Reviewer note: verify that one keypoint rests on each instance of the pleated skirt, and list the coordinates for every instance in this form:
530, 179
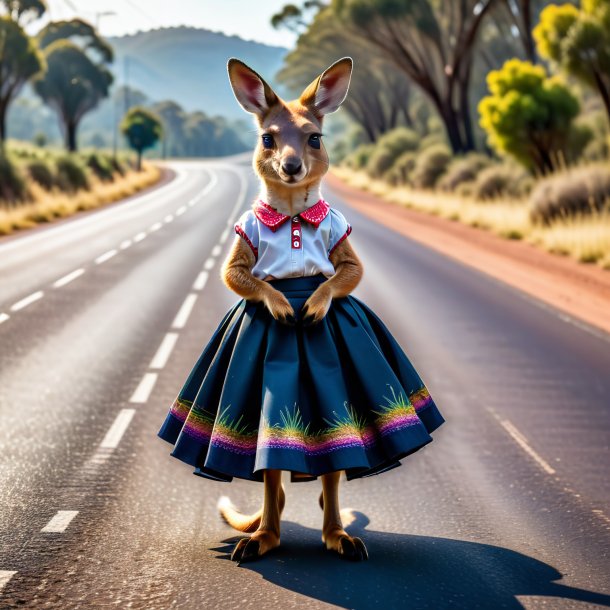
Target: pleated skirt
338, 395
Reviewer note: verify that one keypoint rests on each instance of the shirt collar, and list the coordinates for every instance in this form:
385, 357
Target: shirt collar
273, 219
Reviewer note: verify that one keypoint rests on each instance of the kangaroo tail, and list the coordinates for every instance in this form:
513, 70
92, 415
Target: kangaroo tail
236, 519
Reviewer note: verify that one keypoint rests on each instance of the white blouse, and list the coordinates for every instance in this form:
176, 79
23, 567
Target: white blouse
295, 246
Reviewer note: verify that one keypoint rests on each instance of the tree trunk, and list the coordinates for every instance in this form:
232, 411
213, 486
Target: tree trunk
2, 125
604, 92
71, 136
139, 166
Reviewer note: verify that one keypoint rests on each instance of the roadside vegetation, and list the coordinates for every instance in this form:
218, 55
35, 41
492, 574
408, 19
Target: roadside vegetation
491, 113
40, 185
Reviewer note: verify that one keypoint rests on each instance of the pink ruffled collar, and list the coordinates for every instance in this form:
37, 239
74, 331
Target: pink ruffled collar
273, 219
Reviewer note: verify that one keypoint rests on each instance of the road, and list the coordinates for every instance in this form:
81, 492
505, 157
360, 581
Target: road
102, 317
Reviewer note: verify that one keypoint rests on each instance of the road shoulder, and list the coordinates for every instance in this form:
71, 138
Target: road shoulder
580, 290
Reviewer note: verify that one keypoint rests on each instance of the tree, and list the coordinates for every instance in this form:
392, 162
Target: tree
22, 11
19, 61
529, 115
432, 43
578, 40
142, 129
77, 77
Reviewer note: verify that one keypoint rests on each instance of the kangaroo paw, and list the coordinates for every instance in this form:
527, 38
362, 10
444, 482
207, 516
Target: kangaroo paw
249, 549
348, 547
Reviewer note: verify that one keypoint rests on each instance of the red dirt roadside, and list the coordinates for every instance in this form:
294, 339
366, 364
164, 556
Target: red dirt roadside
581, 290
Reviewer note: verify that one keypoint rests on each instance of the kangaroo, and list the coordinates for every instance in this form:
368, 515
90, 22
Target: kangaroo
290, 160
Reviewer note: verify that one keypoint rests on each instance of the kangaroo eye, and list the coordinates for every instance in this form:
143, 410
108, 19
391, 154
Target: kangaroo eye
314, 140
267, 140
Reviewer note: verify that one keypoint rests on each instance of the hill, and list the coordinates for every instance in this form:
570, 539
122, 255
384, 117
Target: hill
188, 65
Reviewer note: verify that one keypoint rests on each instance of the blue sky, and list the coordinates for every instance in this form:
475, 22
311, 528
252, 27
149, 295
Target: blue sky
246, 18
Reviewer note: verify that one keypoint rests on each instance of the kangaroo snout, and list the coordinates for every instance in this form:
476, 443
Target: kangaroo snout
292, 167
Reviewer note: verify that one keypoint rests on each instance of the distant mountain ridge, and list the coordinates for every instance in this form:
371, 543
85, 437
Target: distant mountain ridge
188, 65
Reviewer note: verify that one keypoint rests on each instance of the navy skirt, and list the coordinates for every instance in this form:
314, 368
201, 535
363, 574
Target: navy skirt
338, 395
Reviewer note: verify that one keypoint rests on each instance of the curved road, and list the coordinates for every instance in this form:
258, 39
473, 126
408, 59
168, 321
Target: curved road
102, 317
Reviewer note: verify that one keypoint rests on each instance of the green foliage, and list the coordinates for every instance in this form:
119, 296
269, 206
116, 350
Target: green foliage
23, 10
101, 166
12, 185
501, 180
389, 147
528, 115
581, 190
40, 172
142, 128
400, 172
463, 169
578, 40
359, 158
430, 165
71, 174
19, 61
77, 78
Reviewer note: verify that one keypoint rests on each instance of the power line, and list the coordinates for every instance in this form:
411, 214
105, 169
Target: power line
143, 12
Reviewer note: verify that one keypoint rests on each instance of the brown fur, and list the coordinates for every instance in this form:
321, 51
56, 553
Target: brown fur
291, 124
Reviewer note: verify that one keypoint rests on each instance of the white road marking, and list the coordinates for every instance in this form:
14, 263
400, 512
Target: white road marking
600, 513
180, 210
139, 237
125, 244
209, 263
155, 227
115, 433
27, 300
4, 317
522, 442
106, 256
66, 279
224, 235
168, 218
216, 250
201, 280
194, 201
164, 351
5, 576
142, 392
60, 521
185, 311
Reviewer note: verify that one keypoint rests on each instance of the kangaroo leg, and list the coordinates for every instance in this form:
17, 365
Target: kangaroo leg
333, 534
267, 536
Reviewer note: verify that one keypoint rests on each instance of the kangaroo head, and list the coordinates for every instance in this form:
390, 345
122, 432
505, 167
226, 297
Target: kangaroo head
290, 153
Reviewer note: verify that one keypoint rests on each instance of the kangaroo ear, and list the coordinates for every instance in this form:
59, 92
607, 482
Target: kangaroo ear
251, 91
325, 94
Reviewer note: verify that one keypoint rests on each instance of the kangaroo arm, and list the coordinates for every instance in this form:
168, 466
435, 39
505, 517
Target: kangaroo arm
237, 272
348, 270
237, 275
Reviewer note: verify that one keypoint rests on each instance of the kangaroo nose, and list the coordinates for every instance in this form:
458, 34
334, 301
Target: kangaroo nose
291, 167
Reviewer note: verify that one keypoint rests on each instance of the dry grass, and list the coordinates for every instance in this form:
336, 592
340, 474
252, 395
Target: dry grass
47, 206
585, 238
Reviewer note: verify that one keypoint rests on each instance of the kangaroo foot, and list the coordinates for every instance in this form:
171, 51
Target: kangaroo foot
348, 547
249, 549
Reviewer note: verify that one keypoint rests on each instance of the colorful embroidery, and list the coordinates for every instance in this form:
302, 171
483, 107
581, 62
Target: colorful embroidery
351, 430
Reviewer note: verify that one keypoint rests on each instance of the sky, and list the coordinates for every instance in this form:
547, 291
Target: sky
246, 18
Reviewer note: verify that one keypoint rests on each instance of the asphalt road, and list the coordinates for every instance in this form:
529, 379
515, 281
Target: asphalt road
101, 319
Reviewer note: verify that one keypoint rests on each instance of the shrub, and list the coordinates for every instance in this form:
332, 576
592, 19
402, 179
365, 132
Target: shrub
101, 166
389, 147
400, 172
117, 166
71, 175
40, 172
359, 158
432, 139
578, 191
501, 180
463, 169
12, 185
430, 165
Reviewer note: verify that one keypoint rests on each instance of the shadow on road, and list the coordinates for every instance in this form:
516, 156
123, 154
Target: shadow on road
408, 572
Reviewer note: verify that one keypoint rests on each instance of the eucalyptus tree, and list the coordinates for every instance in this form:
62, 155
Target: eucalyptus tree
20, 60
143, 130
430, 41
77, 76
